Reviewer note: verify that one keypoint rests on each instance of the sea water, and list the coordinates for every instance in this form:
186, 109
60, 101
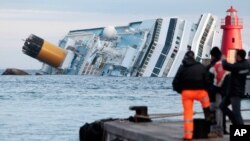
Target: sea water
53, 108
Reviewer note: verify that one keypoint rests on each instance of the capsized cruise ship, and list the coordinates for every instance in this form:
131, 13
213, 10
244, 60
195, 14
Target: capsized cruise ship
148, 48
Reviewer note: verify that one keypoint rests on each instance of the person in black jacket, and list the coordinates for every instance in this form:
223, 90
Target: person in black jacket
236, 89
191, 81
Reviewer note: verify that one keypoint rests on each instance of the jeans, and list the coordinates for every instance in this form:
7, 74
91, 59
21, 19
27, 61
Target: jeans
235, 114
219, 116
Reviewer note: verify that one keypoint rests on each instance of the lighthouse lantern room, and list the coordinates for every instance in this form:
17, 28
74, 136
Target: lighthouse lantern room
231, 39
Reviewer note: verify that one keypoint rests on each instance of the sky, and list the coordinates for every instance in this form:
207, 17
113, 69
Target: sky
53, 19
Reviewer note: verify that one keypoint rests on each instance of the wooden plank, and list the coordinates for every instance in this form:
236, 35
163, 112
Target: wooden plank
140, 131
152, 131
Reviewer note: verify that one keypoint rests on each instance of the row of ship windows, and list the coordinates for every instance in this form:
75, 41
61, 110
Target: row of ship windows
167, 46
203, 39
148, 58
175, 51
173, 55
156, 38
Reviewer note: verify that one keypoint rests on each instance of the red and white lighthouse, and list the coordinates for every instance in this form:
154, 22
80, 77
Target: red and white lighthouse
231, 39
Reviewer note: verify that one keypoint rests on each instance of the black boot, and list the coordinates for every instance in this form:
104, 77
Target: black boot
207, 112
209, 116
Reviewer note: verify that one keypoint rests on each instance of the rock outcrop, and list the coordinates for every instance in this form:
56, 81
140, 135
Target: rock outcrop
13, 71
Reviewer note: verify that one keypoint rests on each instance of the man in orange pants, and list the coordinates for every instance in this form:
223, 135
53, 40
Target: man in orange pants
191, 81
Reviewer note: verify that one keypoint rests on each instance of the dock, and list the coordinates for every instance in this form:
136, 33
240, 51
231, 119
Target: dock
123, 130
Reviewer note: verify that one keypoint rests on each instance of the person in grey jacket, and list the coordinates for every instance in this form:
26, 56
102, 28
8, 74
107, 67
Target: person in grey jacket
236, 87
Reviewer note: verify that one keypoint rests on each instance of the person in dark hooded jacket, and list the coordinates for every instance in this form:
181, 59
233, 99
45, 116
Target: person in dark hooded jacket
191, 81
191, 75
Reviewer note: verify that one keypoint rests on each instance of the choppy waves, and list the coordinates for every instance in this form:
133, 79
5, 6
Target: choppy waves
54, 107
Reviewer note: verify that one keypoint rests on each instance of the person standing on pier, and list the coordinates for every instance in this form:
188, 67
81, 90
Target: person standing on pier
236, 89
217, 90
191, 81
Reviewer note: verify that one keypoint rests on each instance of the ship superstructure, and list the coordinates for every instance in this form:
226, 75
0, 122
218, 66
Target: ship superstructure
145, 48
